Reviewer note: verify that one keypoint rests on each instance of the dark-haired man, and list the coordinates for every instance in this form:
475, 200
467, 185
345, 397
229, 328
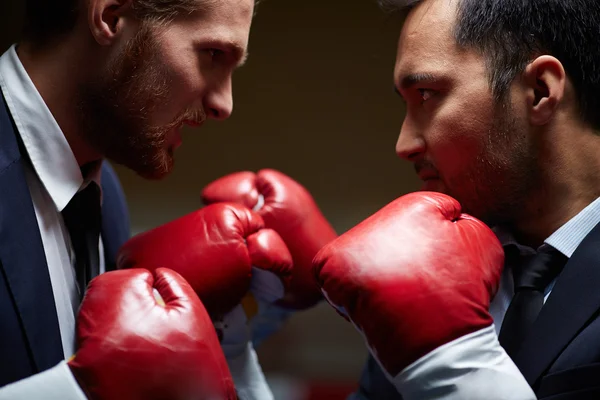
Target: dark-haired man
502, 114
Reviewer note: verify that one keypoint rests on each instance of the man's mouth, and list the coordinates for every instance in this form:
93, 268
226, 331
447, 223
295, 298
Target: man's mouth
428, 175
426, 171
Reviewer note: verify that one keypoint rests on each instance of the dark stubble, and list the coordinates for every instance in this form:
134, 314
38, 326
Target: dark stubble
116, 108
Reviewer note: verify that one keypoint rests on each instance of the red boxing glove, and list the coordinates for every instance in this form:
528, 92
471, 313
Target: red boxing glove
414, 276
214, 249
133, 347
288, 208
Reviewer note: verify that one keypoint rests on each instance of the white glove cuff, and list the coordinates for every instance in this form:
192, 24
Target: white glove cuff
474, 366
236, 332
56, 383
248, 376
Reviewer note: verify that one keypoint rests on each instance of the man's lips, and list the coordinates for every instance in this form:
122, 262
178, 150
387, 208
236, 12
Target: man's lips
431, 179
428, 174
176, 139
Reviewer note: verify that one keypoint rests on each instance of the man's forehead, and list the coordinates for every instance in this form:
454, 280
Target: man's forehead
435, 10
234, 8
228, 22
427, 35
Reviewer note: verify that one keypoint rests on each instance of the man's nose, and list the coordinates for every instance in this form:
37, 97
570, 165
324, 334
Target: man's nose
218, 103
410, 145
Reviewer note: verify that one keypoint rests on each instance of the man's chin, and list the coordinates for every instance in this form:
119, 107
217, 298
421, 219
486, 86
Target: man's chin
153, 175
156, 170
433, 185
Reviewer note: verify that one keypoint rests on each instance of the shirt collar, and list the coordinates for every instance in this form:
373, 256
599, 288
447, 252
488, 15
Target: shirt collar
565, 239
50, 154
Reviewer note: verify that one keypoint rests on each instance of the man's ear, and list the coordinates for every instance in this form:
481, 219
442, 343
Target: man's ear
106, 19
545, 81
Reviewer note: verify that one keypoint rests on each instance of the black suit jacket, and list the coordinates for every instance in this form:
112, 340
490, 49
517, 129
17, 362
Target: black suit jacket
29, 332
560, 358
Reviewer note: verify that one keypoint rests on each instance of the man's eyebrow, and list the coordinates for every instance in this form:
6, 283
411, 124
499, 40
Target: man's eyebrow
240, 54
411, 80
235, 50
243, 58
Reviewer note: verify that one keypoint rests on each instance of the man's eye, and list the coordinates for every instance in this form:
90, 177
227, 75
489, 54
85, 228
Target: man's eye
425, 94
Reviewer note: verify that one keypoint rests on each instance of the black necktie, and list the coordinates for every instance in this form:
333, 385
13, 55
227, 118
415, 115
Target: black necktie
531, 279
82, 218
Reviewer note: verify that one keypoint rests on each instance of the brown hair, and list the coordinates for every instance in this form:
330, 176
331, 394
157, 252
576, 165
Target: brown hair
47, 19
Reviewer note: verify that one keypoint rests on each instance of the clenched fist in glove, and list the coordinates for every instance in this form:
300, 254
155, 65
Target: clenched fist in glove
215, 250
224, 251
416, 279
136, 345
288, 208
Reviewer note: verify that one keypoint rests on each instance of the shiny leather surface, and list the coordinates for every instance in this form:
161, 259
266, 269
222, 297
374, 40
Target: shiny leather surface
131, 346
214, 249
288, 209
415, 275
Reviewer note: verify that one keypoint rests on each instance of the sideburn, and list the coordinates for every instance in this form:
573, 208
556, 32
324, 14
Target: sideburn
117, 107
514, 171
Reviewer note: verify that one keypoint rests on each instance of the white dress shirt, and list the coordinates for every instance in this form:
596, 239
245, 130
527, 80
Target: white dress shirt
53, 178
475, 366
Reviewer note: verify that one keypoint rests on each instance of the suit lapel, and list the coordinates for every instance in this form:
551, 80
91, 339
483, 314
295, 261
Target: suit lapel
574, 300
22, 257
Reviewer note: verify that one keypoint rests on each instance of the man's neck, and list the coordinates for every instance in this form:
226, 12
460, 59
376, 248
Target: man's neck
542, 222
55, 72
571, 182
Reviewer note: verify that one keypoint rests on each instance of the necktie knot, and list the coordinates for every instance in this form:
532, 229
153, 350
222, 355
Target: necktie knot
539, 270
